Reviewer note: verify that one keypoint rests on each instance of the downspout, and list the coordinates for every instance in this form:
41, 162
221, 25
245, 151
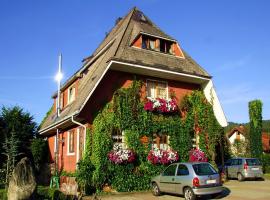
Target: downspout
84, 126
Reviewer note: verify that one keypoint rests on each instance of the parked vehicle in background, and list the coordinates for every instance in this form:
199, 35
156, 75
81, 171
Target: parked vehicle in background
188, 179
242, 168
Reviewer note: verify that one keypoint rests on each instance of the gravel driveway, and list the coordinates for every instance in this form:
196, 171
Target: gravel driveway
233, 190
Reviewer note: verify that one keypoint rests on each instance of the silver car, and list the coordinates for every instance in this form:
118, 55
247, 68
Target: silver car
188, 179
242, 168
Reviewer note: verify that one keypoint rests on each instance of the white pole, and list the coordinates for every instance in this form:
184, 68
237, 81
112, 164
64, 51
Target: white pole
58, 109
59, 84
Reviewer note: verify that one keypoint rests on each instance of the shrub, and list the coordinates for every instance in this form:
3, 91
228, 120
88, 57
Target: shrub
3, 194
84, 174
266, 163
39, 148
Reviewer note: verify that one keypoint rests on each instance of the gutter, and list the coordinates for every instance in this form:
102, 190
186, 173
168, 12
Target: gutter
84, 139
58, 123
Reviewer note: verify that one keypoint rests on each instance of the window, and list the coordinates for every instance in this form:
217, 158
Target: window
71, 94
161, 141
182, 170
203, 169
118, 138
157, 89
236, 162
170, 171
253, 162
71, 142
157, 44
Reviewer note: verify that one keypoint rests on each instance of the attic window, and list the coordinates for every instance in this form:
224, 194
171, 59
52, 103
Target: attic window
157, 44
71, 94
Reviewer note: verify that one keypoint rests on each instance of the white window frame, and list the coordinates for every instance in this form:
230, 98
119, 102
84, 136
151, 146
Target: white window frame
71, 100
68, 150
123, 143
158, 81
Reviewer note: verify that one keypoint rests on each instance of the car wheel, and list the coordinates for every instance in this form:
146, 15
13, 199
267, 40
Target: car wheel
189, 194
155, 190
240, 177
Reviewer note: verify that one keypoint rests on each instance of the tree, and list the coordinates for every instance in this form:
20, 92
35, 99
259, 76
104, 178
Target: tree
17, 129
255, 134
21, 124
10, 150
39, 148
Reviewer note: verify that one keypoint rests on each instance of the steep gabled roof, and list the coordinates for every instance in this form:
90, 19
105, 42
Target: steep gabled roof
241, 129
117, 47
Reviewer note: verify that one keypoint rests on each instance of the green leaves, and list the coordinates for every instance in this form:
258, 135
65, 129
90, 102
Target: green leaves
255, 116
126, 113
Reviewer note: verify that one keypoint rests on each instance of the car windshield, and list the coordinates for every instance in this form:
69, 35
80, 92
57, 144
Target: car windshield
253, 162
203, 169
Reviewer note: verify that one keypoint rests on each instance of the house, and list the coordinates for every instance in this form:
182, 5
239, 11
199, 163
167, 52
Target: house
266, 142
134, 46
239, 133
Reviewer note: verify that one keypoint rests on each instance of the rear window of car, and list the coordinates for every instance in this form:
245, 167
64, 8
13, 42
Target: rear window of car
253, 162
203, 169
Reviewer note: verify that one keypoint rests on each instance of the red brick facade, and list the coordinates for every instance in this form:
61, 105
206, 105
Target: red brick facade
103, 94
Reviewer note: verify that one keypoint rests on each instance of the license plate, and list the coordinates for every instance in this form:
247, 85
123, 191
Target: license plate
210, 181
255, 169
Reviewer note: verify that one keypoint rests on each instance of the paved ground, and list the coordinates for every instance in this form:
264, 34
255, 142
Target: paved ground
233, 190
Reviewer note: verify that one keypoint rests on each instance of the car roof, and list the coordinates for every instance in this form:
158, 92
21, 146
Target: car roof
191, 163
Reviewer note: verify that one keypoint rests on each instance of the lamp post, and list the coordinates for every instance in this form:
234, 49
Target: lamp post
58, 78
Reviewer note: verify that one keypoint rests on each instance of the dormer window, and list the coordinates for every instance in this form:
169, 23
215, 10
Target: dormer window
71, 94
157, 44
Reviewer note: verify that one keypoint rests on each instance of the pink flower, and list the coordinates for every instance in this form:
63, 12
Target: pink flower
161, 105
164, 157
196, 155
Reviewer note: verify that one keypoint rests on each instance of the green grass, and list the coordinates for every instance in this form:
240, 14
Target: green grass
3, 194
267, 176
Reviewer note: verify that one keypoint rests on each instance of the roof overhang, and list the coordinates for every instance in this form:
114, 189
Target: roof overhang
157, 72
136, 69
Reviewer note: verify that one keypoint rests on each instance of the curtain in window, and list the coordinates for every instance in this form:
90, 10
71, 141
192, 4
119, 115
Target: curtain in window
151, 89
161, 90
152, 44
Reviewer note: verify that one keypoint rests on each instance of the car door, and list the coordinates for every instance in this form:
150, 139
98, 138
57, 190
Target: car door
182, 178
234, 168
167, 179
228, 168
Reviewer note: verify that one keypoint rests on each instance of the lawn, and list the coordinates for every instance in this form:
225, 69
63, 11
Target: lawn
267, 176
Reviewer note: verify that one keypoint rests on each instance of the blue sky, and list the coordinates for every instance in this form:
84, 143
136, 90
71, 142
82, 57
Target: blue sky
230, 39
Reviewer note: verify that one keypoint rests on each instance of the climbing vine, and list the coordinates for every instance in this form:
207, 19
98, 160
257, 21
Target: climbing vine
126, 114
255, 115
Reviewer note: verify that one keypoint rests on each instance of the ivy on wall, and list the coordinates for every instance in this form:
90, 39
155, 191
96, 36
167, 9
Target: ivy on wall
126, 113
255, 134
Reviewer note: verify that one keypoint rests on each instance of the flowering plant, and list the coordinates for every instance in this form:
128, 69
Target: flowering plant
119, 155
161, 105
159, 156
197, 155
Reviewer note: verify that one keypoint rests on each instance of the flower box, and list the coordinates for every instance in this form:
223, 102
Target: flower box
119, 155
196, 155
159, 156
161, 105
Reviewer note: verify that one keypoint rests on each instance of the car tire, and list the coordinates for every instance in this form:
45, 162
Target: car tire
155, 190
189, 194
240, 177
